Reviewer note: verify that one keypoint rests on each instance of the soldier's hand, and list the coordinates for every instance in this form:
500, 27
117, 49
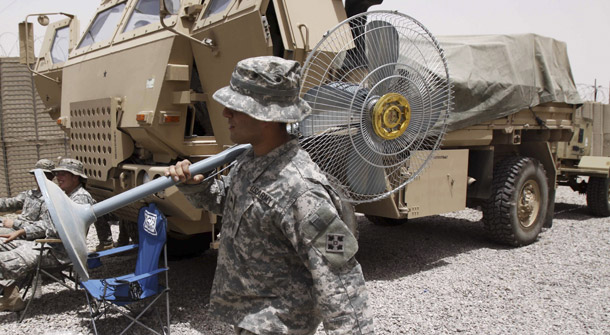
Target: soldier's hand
181, 173
12, 236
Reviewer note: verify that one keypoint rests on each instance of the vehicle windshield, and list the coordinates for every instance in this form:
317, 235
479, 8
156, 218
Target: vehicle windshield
61, 44
217, 6
147, 12
103, 26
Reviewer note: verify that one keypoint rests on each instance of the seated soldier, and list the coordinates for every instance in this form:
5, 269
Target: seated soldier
102, 225
29, 202
17, 256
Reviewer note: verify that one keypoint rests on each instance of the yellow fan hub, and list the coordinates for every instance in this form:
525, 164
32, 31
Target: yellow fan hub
391, 116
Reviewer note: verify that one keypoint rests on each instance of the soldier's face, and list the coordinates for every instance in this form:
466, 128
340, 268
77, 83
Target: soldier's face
67, 181
243, 128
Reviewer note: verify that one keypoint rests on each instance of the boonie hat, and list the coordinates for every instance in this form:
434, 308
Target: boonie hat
267, 89
45, 165
74, 166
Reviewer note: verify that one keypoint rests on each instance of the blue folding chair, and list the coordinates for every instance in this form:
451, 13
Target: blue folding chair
119, 292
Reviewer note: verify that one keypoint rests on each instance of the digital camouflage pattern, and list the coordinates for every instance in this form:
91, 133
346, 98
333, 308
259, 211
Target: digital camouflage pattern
267, 89
29, 202
17, 258
13, 204
286, 258
102, 226
73, 166
45, 165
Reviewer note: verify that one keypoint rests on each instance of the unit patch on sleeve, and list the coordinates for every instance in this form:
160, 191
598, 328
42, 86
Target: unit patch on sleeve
334, 243
333, 239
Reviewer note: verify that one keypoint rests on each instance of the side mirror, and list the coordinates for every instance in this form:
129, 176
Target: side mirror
171, 7
26, 40
163, 8
43, 20
26, 43
168, 7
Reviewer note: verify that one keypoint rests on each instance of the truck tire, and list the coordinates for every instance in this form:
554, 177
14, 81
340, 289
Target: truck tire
517, 209
383, 221
598, 196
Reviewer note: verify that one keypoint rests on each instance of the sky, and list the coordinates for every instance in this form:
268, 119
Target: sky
584, 25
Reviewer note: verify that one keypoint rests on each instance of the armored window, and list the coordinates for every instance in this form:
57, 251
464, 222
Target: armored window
147, 12
61, 44
217, 6
103, 26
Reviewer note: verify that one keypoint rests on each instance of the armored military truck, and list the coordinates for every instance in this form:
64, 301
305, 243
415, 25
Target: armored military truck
584, 160
517, 131
134, 94
134, 91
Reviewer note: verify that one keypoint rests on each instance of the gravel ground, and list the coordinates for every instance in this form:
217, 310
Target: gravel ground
434, 275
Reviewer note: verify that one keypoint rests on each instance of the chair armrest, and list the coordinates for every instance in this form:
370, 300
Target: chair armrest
115, 281
94, 258
47, 240
113, 251
43, 241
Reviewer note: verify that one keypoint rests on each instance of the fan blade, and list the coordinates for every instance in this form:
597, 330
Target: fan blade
381, 49
363, 177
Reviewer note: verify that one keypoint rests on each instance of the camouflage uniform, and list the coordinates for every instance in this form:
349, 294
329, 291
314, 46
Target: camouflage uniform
29, 202
286, 258
17, 258
102, 225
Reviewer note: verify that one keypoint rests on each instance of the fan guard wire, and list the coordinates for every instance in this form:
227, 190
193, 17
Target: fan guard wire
378, 84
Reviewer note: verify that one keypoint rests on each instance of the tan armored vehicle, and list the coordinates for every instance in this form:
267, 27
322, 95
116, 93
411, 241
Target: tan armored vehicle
134, 92
587, 154
134, 95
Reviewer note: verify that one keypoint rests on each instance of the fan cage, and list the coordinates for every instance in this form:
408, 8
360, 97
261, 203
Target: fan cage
369, 56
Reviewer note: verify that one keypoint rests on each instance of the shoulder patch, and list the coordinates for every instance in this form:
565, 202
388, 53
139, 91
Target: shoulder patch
334, 239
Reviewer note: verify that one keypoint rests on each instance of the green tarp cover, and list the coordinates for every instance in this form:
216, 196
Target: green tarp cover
497, 75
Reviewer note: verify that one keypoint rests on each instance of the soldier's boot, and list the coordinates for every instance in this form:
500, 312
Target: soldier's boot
104, 235
11, 301
103, 246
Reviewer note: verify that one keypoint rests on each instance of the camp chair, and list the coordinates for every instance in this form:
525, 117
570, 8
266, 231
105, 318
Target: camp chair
119, 293
60, 274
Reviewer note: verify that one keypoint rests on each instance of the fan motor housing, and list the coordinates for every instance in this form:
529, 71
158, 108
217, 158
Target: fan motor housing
391, 116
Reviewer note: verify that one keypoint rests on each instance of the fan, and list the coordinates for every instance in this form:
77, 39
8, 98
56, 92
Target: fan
379, 88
